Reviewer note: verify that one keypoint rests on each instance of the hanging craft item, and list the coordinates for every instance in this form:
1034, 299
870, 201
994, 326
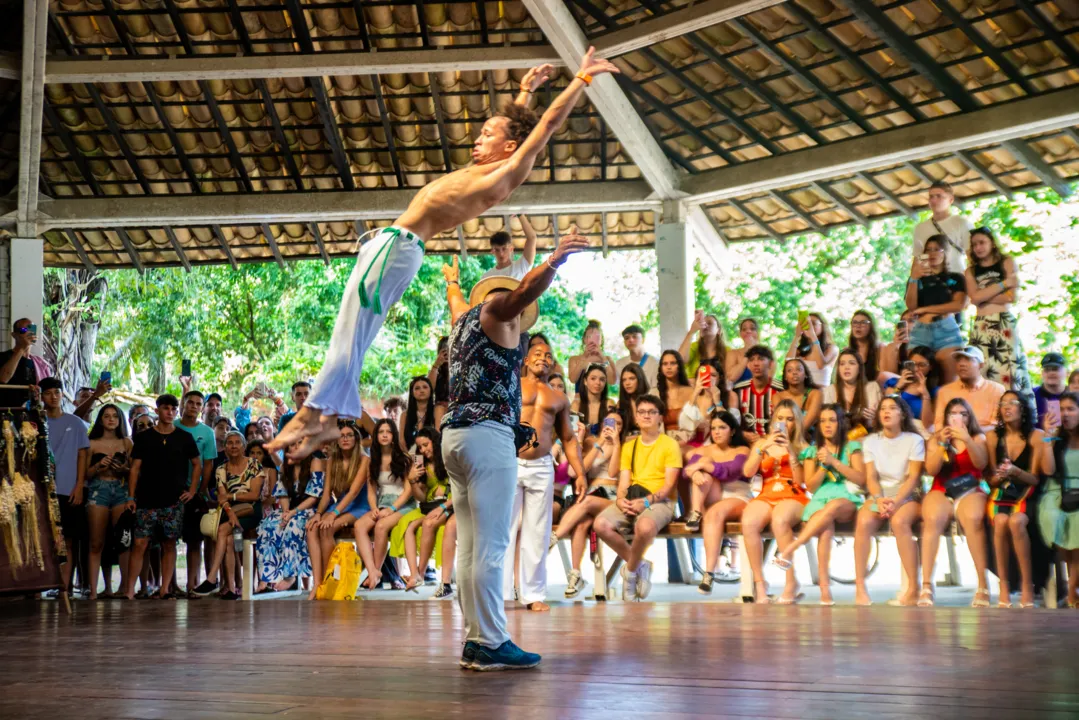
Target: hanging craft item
9, 522
24, 495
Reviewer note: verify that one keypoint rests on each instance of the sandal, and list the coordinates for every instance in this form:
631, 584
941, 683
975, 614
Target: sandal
414, 585
781, 562
1004, 605
981, 599
784, 600
925, 597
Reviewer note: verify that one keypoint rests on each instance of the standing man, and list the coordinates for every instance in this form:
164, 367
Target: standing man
756, 395
69, 445
164, 477
633, 339
982, 395
211, 409
300, 390
502, 250
1047, 395
943, 221
479, 447
206, 442
504, 155
17, 366
547, 410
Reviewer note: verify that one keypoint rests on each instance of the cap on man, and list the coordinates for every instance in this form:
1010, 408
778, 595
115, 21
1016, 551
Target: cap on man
982, 395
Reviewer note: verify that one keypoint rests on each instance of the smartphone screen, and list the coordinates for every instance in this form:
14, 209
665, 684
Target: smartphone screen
32, 329
185, 368
803, 316
609, 423
106, 376
908, 365
1052, 413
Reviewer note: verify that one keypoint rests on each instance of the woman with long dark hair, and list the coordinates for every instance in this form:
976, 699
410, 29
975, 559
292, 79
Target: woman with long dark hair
992, 283
439, 377
711, 393
397, 491
592, 403
1058, 508
1014, 471
852, 392
863, 338
591, 354
835, 474
957, 457
106, 469
673, 388
710, 348
420, 411
799, 388
632, 384
346, 496
933, 301
917, 383
813, 343
427, 519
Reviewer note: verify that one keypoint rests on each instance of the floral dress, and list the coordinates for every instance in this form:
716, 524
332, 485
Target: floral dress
282, 551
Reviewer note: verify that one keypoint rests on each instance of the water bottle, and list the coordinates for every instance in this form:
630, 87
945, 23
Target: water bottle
238, 539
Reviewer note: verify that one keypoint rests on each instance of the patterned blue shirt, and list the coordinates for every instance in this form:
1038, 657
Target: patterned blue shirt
485, 378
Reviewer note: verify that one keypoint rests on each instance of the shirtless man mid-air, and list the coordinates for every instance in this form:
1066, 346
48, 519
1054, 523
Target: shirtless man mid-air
503, 156
546, 410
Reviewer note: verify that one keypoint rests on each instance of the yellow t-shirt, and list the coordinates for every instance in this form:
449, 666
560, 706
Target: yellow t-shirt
649, 469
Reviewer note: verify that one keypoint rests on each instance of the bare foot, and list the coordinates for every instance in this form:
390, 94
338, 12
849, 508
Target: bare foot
539, 607
1027, 596
314, 592
306, 422
826, 595
861, 597
328, 433
283, 585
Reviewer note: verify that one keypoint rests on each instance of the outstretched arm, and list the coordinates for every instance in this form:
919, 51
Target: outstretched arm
531, 82
454, 296
529, 251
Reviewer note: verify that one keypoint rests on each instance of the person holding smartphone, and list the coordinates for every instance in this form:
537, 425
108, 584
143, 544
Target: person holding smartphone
933, 299
592, 355
813, 343
956, 457
417, 532
710, 394
710, 348
917, 383
107, 464
17, 366
1047, 395
1058, 508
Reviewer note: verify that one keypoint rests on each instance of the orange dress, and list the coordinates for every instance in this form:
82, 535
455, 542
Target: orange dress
778, 481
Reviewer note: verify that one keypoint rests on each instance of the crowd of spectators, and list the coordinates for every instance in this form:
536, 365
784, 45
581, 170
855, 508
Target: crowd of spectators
937, 425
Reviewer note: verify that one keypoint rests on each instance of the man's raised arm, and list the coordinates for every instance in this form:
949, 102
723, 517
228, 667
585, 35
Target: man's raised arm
506, 306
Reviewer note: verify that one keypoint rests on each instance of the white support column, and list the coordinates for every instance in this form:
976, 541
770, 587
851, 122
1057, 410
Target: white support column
35, 22
675, 277
27, 273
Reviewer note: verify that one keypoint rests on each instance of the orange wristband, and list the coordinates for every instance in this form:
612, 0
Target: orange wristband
585, 78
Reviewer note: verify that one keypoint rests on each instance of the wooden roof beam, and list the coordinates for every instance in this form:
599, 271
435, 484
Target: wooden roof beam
317, 235
179, 248
73, 238
987, 126
568, 39
1026, 154
257, 208
271, 240
216, 229
125, 239
695, 17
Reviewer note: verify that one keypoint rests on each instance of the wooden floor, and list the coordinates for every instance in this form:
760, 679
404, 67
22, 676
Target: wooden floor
214, 659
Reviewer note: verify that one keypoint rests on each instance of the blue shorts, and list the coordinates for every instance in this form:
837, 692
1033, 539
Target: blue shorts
107, 493
937, 335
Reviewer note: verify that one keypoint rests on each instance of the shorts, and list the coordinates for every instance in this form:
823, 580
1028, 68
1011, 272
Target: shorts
107, 493
387, 500
660, 513
738, 489
72, 518
193, 514
607, 492
160, 523
937, 335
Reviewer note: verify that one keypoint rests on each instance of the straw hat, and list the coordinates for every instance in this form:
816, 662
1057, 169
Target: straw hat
486, 286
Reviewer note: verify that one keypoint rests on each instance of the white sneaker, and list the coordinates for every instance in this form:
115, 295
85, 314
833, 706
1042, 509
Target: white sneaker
629, 585
575, 584
554, 542
644, 579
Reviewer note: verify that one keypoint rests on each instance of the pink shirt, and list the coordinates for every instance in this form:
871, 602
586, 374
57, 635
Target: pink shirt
983, 398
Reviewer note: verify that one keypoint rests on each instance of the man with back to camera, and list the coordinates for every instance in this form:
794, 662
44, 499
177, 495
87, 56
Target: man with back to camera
633, 339
502, 250
69, 445
546, 410
503, 158
479, 446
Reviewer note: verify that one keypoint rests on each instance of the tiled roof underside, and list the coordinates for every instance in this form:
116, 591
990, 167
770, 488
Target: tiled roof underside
809, 208
295, 240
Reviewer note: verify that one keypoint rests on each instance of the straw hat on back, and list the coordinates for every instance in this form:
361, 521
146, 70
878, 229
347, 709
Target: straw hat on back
486, 286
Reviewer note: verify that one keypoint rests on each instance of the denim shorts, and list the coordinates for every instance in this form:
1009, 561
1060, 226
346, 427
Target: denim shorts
937, 335
107, 493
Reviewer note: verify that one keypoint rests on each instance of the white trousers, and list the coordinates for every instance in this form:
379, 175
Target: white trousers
532, 516
386, 265
482, 465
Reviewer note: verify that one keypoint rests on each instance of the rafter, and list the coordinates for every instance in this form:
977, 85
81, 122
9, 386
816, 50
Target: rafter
72, 149
125, 240
271, 240
279, 134
226, 136
317, 235
825, 189
179, 248
387, 129
220, 236
436, 99
971, 161
1026, 154
462, 242
753, 218
118, 138
32, 100
73, 238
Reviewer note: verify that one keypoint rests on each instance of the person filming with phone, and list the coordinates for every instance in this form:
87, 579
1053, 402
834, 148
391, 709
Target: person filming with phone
1047, 395
17, 365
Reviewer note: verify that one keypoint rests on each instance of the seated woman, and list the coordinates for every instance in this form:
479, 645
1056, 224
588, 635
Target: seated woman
1015, 460
813, 343
673, 388
1058, 509
932, 301
396, 490
591, 403
239, 496
433, 512
592, 354
107, 466
710, 348
799, 388
719, 489
863, 338
281, 549
917, 383
255, 449
894, 457
632, 383
782, 498
601, 460
835, 474
345, 496
736, 367
419, 412
856, 396
956, 457
710, 393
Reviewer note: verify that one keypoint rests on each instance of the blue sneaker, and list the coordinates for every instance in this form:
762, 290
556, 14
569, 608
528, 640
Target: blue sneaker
506, 656
468, 656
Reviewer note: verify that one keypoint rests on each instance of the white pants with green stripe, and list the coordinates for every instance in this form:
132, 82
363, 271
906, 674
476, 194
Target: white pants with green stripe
385, 267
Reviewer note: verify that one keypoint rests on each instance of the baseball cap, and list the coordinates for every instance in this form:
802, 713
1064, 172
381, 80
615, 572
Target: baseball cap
970, 352
1053, 359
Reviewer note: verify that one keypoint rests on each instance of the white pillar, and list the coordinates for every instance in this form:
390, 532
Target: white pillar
27, 273
675, 279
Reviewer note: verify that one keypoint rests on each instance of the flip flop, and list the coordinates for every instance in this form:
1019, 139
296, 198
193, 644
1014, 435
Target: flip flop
790, 601
827, 603
925, 597
781, 562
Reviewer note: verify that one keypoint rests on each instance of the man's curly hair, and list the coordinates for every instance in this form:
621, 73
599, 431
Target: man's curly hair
521, 122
